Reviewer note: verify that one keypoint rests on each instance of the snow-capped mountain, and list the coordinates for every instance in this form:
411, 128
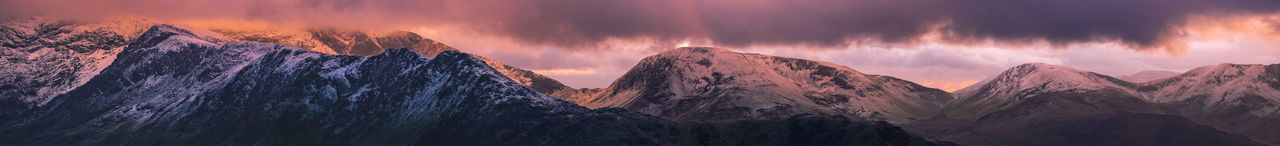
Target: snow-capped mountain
1229, 84
1027, 80
180, 87
1146, 76
353, 42
48, 56
700, 83
1042, 104
1238, 98
44, 57
339, 41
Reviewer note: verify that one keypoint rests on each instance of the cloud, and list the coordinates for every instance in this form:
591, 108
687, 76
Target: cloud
1139, 24
946, 42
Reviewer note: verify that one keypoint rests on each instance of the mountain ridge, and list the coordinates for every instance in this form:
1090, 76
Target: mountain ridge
1099, 96
706, 83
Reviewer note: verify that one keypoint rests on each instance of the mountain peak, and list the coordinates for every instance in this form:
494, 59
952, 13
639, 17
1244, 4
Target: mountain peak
706, 83
1044, 67
162, 32
684, 51
158, 33
1227, 69
1051, 77
1033, 74
1028, 80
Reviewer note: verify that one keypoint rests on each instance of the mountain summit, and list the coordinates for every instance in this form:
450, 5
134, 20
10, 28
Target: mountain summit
703, 83
1027, 80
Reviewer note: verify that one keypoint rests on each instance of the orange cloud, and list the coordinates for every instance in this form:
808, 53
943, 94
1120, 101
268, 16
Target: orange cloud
566, 71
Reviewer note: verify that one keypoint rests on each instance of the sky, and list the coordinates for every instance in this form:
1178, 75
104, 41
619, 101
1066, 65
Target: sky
946, 44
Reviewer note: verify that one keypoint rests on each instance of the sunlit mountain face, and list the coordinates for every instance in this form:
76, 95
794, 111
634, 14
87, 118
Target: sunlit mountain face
640, 72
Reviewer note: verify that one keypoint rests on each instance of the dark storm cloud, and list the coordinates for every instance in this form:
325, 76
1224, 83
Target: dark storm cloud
1141, 23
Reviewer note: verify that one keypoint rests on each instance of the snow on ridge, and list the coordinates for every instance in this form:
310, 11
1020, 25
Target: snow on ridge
1209, 86
173, 43
1227, 69
1217, 83
1056, 78
1039, 78
722, 78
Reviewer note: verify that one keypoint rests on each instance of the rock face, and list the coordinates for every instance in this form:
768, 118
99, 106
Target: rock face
1041, 104
1147, 76
352, 42
718, 84
43, 57
177, 87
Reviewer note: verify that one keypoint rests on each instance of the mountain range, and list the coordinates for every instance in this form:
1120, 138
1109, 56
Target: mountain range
1057, 105
139, 82
1029, 104
173, 86
48, 56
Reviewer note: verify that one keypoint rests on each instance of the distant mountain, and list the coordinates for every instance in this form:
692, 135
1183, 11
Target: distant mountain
1238, 98
702, 83
1146, 76
1020, 82
1042, 104
179, 87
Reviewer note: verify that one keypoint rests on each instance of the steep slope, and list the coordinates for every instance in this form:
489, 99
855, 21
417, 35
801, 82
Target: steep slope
540, 83
44, 57
1147, 76
1023, 81
353, 42
1238, 98
718, 84
176, 87
1041, 104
